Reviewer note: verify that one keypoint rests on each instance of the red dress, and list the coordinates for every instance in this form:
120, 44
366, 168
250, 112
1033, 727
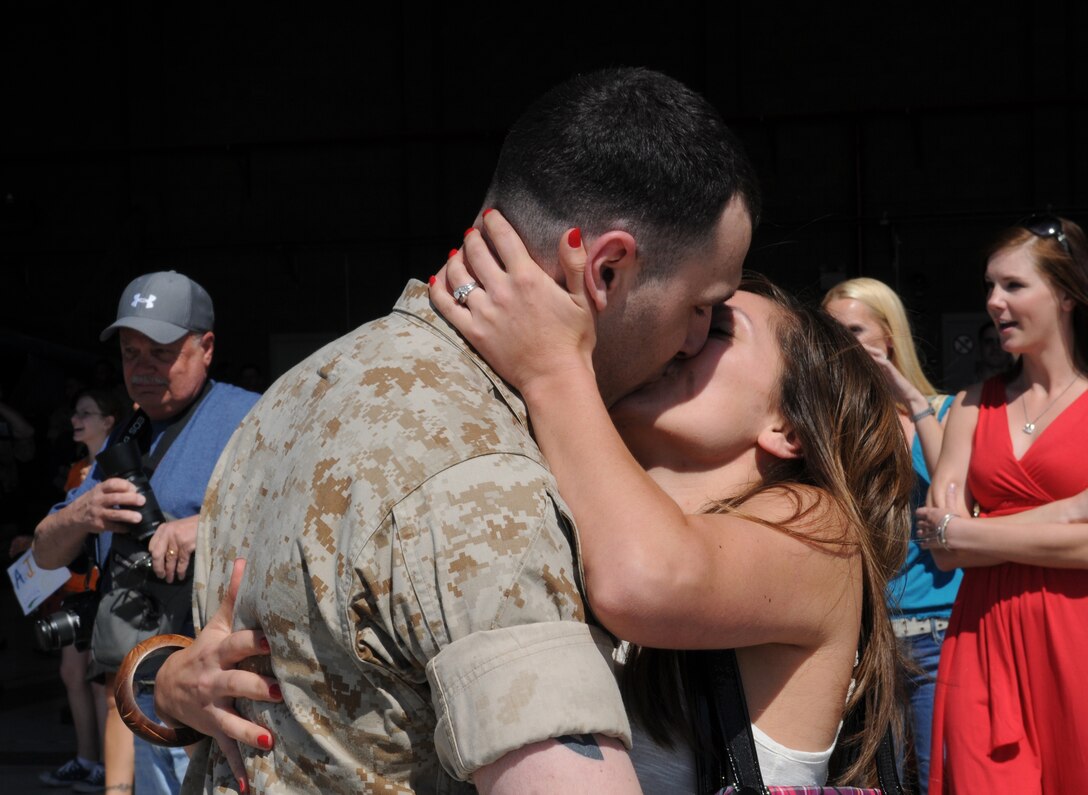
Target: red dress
1011, 706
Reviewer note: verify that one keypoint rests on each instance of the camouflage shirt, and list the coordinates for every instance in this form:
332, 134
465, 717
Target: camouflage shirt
410, 559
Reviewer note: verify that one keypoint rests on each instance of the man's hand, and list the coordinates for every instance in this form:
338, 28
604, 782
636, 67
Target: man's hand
197, 686
111, 506
172, 548
108, 507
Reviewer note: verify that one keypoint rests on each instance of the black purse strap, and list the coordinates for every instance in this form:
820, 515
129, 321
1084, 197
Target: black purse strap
886, 772
734, 760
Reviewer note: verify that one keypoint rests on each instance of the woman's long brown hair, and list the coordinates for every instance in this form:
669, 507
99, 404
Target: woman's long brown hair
854, 458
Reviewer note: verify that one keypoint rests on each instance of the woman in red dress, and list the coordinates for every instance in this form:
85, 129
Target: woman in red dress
1011, 710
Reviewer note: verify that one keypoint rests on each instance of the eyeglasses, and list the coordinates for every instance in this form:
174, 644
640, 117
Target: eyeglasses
85, 414
1047, 226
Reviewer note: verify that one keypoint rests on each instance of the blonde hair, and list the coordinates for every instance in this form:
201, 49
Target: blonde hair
889, 312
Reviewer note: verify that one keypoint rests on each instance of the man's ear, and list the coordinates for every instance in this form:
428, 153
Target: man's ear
611, 266
207, 346
780, 440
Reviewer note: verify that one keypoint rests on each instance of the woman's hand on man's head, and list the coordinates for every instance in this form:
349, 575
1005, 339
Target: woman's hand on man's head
525, 324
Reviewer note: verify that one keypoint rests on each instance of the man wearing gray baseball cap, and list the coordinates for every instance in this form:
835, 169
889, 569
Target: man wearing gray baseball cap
182, 421
163, 306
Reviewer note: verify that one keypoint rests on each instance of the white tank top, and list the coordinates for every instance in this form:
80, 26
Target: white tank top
672, 770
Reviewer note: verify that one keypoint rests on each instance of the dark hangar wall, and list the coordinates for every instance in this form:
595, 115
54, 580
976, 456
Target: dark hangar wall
303, 162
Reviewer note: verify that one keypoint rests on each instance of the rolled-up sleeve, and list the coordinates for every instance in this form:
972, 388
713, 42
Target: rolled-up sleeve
499, 690
497, 615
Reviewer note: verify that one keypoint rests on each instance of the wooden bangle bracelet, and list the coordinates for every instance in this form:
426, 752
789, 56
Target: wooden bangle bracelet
131, 714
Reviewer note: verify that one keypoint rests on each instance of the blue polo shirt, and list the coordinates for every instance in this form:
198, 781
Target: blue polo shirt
182, 475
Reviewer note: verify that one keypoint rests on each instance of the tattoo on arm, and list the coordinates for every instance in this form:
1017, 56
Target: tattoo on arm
583, 744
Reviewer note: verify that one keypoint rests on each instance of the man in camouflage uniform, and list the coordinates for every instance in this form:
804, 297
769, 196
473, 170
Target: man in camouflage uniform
408, 555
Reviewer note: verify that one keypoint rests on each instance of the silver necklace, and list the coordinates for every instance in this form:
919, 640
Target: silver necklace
1029, 425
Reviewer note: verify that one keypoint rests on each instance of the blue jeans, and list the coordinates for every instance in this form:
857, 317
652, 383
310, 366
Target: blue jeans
925, 650
159, 771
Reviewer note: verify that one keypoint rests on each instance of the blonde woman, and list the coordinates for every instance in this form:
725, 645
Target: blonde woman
920, 598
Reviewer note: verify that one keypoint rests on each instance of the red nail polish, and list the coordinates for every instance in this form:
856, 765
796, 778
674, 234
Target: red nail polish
274, 691
489, 209
574, 239
242, 786
452, 254
432, 280
264, 644
265, 742
469, 231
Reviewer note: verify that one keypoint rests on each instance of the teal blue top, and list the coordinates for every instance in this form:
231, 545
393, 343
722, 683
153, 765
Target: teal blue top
921, 590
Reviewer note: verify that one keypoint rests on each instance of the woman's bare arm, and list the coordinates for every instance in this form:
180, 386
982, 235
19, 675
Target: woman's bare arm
930, 428
948, 491
1055, 534
1009, 538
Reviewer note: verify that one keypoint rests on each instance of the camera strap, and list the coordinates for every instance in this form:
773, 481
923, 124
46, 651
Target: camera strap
139, 429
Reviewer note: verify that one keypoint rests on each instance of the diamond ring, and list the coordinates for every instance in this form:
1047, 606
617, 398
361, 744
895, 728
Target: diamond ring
460, 294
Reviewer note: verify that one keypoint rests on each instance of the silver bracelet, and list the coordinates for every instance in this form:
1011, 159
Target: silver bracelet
941, 528
921, 415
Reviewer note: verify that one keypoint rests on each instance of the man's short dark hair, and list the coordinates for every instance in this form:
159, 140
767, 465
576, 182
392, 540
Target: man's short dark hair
625, 149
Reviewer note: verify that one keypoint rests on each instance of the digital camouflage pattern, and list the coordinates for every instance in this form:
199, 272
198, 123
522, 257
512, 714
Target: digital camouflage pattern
409, 558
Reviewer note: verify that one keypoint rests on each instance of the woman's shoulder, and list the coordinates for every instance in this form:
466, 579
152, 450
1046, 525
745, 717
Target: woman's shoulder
971, 396
797, 509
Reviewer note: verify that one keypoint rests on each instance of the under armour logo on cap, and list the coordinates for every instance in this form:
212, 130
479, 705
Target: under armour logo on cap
148, 302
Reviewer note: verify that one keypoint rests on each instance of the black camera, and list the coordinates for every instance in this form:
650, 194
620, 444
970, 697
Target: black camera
123, 460
73, 623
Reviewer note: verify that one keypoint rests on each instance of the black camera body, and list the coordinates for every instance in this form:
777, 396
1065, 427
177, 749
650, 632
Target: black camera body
124, 460
73, 623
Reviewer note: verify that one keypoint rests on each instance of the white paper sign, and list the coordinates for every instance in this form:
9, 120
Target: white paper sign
32, 584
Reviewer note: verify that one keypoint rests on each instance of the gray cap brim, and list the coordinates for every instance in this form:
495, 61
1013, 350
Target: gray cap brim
158, 330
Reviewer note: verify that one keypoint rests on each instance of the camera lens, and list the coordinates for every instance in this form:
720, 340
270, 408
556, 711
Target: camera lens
45, 634
73, 623
57, 630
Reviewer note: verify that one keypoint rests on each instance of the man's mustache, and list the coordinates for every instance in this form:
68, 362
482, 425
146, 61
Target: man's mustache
149, 380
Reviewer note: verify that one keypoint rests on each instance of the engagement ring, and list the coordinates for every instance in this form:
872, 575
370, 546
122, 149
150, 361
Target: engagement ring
460, 294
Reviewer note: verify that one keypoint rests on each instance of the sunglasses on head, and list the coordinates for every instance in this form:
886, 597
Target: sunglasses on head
1047, 226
